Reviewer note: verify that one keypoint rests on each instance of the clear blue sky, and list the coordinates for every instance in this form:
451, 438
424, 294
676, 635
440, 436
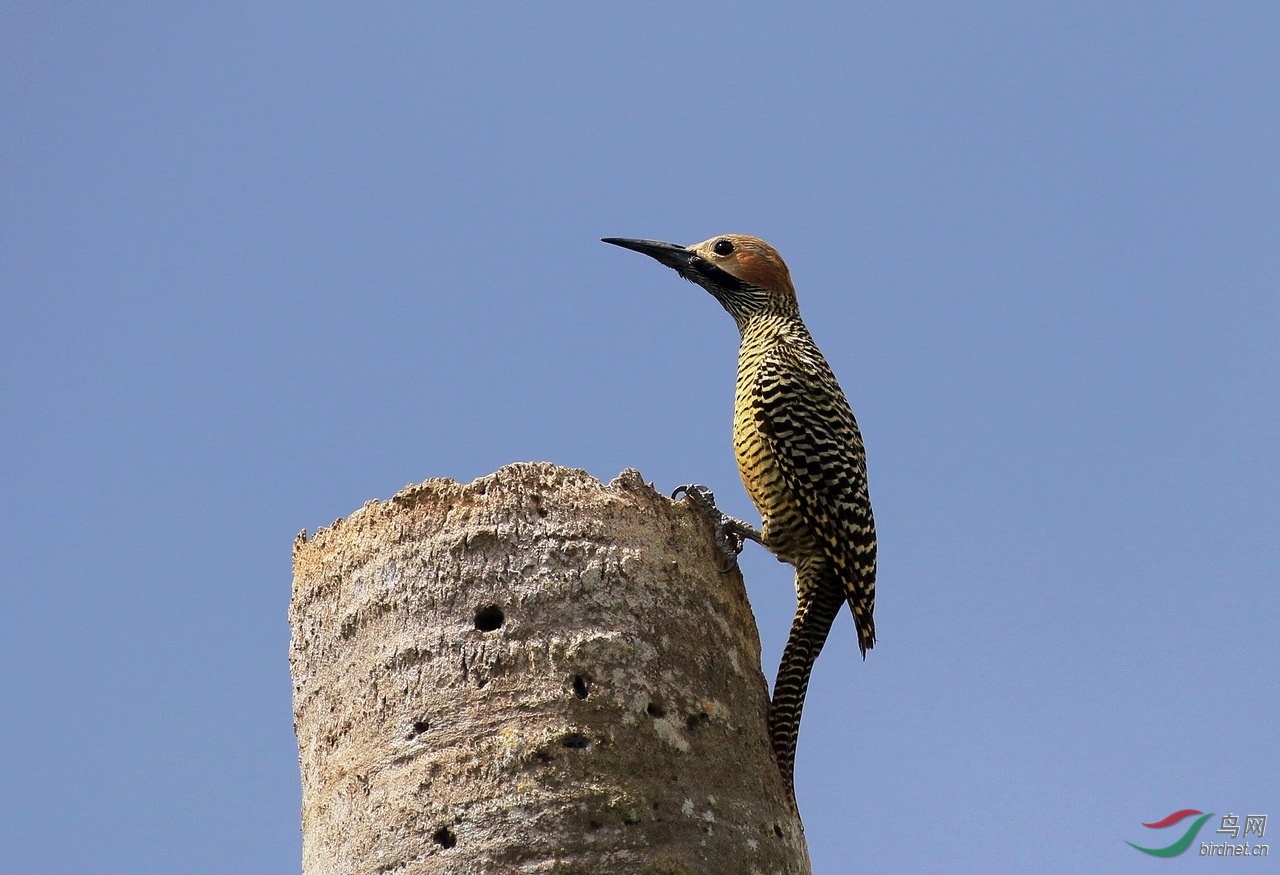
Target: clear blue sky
260, 263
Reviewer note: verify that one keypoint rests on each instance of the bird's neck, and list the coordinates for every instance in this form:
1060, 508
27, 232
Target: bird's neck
767, 329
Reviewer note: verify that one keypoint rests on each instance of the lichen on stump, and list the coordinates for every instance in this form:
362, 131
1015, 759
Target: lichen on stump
531, 672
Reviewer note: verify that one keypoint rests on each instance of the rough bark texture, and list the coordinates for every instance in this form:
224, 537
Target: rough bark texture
531, 673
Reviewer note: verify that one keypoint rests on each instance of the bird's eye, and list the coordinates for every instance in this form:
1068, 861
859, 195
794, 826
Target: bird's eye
723, 247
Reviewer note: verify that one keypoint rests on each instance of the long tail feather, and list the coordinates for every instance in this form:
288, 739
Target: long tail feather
816, 610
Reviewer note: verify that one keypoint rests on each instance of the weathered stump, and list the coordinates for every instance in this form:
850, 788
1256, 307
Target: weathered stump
531, 673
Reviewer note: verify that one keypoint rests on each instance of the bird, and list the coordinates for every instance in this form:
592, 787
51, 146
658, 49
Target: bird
801, 457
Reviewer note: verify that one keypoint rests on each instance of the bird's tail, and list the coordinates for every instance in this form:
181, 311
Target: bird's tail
816, 610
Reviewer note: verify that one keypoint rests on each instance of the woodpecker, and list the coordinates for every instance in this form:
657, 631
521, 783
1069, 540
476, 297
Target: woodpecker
799, 453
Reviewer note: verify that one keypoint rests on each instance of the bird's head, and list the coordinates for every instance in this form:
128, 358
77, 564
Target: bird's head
746, 275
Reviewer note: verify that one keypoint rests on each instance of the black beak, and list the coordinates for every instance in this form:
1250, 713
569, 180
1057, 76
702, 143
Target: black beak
673, 256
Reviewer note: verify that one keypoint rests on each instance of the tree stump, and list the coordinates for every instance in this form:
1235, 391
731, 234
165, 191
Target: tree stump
532, 673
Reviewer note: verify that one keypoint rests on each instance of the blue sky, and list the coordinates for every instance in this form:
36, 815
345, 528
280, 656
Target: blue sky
262, 263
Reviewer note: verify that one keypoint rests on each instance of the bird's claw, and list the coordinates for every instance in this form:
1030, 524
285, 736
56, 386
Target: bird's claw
731, 534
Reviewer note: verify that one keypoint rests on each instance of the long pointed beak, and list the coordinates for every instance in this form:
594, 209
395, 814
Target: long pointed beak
672, 255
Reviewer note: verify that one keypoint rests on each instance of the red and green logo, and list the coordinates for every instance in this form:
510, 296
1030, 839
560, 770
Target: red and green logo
1181, 844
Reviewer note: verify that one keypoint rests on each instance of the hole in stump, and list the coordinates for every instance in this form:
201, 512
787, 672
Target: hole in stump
579, 686
419, 727
577, 741
777, 830
656, 711
445, 838
489, 618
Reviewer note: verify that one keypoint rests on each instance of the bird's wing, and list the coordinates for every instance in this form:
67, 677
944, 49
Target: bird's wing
814, 439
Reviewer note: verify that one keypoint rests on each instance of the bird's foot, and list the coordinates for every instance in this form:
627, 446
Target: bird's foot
731, 534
